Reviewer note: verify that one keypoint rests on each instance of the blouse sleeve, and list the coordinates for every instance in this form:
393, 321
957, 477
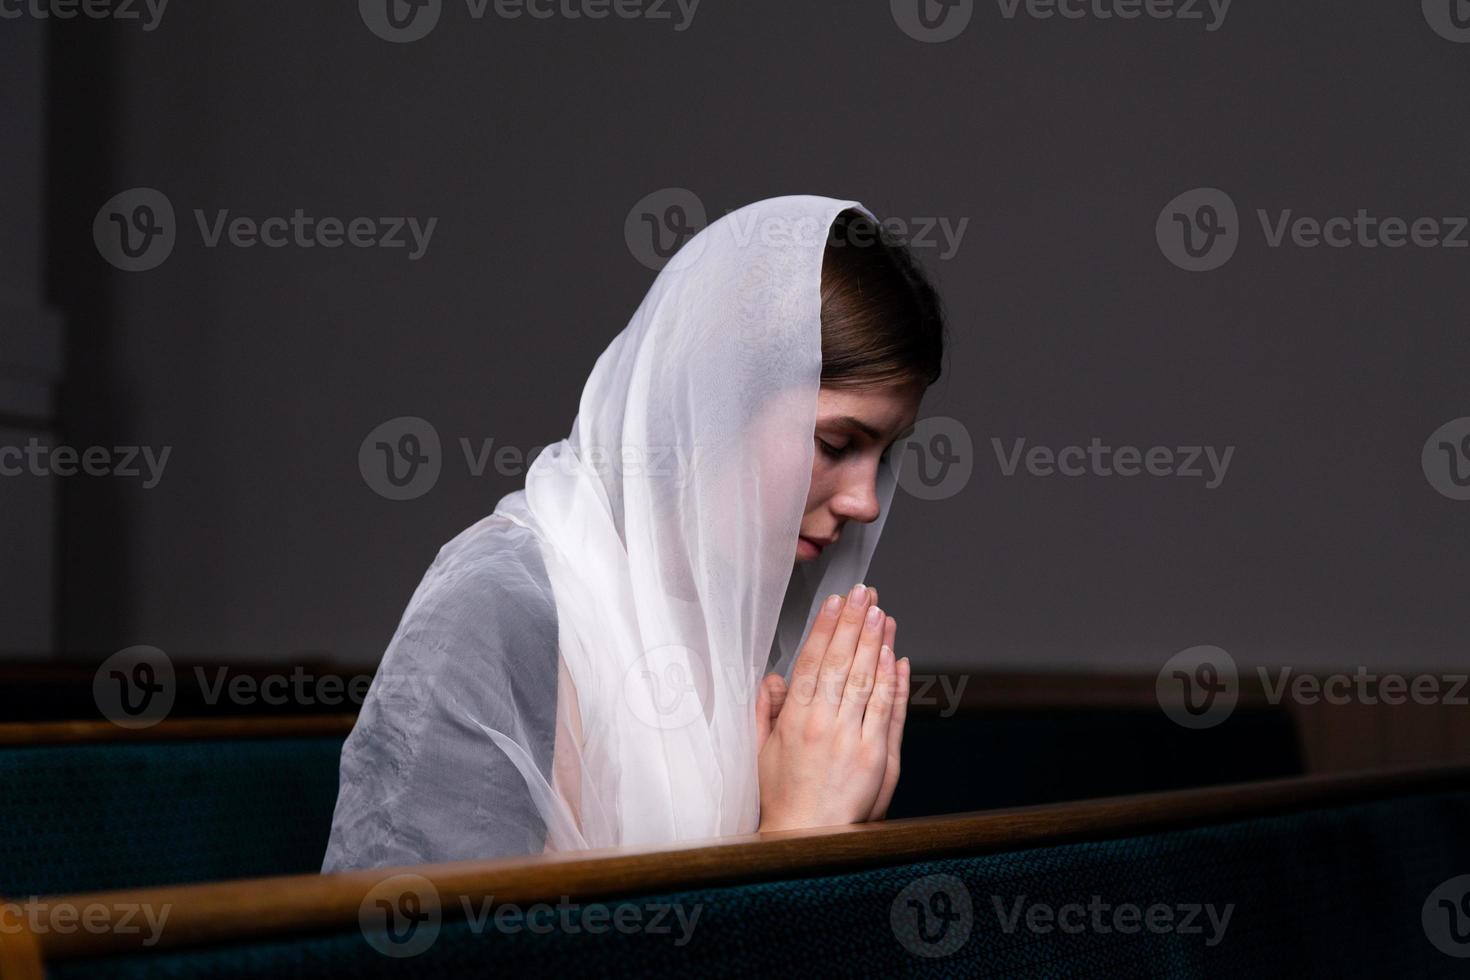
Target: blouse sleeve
476, 649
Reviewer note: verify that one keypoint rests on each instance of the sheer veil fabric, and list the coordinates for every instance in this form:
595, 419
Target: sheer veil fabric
579, 668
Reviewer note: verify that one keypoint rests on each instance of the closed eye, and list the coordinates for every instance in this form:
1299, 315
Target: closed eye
837, 452
834, 452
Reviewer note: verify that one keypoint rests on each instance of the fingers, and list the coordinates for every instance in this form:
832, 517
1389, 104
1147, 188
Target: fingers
900, 708
770, 695
762, 714
894, 734
895, 726
776, 693
837, 662
862, 675
880, 705
809, 661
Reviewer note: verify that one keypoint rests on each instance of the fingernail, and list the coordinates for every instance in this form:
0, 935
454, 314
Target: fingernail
871, 620
859, 593
833, 601
885, 656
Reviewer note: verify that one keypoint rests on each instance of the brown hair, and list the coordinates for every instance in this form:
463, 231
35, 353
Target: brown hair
882, 322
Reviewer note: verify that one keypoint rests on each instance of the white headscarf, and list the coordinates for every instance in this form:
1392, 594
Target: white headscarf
624, 605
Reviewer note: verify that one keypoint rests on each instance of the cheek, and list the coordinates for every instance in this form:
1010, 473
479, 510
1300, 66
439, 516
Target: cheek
824, 482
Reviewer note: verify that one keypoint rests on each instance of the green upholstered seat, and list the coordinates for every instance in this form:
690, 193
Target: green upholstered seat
109, 815
1330, 892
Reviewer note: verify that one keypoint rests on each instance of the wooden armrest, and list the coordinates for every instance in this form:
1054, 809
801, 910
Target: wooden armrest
235, 911
175, 729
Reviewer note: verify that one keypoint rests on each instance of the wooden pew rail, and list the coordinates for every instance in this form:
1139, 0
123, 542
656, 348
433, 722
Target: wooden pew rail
254, 909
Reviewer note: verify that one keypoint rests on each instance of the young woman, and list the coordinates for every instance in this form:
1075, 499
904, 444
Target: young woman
582, 668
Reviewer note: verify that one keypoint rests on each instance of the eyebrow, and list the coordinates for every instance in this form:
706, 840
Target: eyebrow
854, 423
863, 427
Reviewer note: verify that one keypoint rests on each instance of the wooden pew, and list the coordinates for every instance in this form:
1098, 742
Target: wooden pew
1031, 737
86, 804
1324, 875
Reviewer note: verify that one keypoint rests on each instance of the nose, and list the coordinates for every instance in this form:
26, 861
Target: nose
857, 499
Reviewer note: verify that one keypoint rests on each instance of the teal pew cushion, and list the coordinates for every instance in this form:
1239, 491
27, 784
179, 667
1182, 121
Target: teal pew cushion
103, 816
1329, 892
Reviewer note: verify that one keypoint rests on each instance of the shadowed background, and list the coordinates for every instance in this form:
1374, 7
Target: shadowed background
1057, 142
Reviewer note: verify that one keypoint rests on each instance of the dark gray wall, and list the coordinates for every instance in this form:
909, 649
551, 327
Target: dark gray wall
1060, 142
30, 350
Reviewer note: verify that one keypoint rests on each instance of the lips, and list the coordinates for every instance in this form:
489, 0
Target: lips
818, 543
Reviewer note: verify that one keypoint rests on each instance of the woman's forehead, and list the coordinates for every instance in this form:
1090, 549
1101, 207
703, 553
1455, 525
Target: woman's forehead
879, 413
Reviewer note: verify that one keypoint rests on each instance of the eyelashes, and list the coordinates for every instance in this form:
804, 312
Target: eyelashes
838, 452
831, 451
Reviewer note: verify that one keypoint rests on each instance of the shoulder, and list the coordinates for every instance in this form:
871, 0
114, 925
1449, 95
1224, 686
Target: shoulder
493, 568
